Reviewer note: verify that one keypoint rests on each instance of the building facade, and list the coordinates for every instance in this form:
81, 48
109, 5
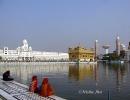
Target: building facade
81, 54
127, 53
25, 53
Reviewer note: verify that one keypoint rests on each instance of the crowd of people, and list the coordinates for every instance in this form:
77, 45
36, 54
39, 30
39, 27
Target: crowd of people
45, 89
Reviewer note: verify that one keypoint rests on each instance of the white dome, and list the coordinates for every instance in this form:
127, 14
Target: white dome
123, 45
25, 41
18, 48
30, 48
118, 37
96, 40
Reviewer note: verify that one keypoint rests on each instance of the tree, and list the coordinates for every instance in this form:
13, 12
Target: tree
111, 56
122, 54
0, 58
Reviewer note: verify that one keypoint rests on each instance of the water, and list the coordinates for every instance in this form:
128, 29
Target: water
77, 82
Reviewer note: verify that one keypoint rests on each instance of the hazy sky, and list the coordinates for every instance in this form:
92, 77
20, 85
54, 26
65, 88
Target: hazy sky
55, 25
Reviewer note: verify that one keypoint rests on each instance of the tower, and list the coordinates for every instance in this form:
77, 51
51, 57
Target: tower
96, 48
118, 45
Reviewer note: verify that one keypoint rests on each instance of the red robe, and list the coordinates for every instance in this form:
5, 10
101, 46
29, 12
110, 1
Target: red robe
46, 89
33, 86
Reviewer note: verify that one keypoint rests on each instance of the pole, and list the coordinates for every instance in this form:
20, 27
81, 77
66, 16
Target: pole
108, 95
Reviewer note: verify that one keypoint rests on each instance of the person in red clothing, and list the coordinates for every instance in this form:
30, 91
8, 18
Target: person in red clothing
33, 86
46, 88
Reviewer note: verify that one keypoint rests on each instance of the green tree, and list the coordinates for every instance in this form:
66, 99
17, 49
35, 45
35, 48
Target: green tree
111, 56
122, 54
0, 58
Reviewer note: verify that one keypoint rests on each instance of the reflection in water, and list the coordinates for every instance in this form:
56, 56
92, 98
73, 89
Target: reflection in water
120, 71
82, 71
115, 77
24, 71
120, 75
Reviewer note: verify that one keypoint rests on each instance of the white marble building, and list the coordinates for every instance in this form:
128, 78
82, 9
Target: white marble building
25, 53
127, 53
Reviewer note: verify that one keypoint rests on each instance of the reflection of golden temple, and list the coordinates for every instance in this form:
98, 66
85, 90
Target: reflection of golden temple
82, 71
81, 54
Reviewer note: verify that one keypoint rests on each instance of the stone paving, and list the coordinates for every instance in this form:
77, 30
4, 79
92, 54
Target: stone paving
20, 92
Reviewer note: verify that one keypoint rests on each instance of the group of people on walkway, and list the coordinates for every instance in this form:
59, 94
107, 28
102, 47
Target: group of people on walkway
45, 89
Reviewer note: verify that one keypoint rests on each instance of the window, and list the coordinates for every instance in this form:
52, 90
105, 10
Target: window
73, 56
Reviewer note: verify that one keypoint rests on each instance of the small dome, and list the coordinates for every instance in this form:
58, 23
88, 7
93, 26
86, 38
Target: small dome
96, 40
18, 48
30, 48
25, 41
123, 45
118, 37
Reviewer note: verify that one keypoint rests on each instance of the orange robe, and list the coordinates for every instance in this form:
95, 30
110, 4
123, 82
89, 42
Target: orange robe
46, 89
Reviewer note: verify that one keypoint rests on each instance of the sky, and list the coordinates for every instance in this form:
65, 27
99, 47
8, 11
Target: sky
56, 25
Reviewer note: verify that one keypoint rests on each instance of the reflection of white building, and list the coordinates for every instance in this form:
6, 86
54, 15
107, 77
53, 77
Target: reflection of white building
25, 53
24, 71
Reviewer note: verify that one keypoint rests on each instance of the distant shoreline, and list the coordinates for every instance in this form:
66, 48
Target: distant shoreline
49, 62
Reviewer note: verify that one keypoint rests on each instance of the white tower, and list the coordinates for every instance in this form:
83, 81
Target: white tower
96, 48
106, 47
118, 45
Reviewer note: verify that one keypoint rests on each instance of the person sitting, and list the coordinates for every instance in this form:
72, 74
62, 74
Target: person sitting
33, 86
46, 89
6, 76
